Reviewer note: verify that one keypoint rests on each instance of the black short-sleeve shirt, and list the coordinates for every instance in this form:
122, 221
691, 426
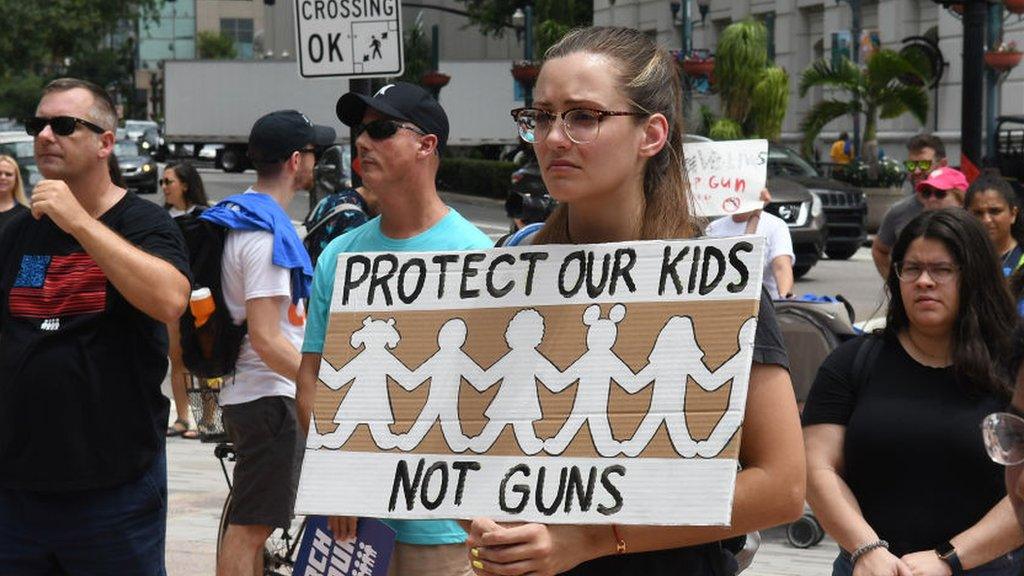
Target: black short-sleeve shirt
913, 451
706, 559
80, 367
8, 215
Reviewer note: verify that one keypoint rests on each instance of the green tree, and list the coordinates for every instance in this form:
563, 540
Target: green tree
215, 46
45, 40
19, 95
754, 95
552, 18
42, 37
416, 50
879, 90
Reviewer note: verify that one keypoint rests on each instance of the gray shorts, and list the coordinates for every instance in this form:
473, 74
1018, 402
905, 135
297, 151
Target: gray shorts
269, 449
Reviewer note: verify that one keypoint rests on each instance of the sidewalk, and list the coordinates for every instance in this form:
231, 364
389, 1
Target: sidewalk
197, 491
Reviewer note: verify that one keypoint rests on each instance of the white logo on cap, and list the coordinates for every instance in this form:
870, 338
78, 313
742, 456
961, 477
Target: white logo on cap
383, 90
936, 173
308, 122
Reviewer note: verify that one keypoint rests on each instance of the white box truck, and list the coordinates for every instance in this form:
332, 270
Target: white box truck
217, 101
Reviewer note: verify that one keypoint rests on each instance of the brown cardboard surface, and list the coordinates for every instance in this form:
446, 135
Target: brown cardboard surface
716, 325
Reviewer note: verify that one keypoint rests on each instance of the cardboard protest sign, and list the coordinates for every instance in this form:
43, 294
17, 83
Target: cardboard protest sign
726, 177
368, 554
565, 384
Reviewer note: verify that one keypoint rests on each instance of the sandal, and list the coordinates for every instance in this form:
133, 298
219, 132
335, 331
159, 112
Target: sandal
190, 434
179, 428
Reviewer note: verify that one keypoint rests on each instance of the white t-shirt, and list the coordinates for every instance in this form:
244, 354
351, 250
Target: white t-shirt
777, 242
248, 272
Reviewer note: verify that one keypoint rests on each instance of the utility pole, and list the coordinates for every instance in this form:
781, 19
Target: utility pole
992, 99
971, 117
855, 33
682, 10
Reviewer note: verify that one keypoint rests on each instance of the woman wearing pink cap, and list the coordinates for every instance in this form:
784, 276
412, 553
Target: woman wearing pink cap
943, 188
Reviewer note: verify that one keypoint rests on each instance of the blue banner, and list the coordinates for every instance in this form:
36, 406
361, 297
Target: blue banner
367, 554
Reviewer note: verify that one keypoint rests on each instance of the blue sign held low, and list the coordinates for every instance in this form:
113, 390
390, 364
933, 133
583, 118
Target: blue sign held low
368, 554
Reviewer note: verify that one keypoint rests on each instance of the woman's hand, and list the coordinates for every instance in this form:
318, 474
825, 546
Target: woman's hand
881, 562
343, 527
534, 549
927, 563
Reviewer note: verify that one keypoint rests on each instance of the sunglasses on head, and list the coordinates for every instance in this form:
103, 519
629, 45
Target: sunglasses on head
927, 193
383, 129
915, 165
61, 125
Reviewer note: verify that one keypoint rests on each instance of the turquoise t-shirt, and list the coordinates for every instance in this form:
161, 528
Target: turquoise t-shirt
453, 232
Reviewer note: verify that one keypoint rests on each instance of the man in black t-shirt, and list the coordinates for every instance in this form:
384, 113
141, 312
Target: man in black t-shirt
87, 281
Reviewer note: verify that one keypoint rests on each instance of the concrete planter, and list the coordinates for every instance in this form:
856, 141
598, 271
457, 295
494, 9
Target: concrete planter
879, 200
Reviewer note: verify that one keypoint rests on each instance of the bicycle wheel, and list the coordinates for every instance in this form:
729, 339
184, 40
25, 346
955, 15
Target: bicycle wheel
282, 547
222, 525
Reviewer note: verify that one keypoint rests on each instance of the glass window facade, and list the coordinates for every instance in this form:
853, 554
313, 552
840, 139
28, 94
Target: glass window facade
241, 29
171, 37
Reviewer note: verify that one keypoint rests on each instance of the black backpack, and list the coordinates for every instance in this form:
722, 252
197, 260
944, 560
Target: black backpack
210, 351
332, 217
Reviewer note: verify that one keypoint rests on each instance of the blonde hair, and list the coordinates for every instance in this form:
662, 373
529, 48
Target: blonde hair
19, 187
649, 78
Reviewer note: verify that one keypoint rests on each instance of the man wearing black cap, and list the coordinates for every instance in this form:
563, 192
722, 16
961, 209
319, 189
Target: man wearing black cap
398, 133
265, 275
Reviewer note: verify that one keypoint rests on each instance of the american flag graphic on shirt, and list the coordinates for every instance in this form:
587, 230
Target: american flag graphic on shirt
53, 286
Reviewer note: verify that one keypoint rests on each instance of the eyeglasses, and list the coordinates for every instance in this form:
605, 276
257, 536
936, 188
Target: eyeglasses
1004, 438
166, 181
61, 125
915, 165
581, 125
927, 193
383, 129
911, 271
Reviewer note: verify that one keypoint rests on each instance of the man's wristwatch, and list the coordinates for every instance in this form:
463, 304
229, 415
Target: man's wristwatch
947, 553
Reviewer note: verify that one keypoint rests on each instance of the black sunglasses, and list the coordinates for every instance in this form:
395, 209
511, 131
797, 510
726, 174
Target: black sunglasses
929, 192
384, 129
61, 125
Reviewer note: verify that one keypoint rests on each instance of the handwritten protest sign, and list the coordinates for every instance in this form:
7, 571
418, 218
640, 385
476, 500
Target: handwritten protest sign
368, 554
726, 177
568, 384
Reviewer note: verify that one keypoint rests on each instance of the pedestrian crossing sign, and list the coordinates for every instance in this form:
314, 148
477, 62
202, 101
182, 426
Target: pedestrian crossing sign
349, 38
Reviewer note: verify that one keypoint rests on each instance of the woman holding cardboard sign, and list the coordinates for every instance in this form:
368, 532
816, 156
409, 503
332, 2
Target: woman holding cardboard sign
607, 130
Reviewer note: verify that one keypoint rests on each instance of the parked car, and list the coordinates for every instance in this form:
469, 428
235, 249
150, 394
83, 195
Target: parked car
138, 168
19, 146
152, 142
134, 129
802, 212
1009, 153
799, 209
846, 209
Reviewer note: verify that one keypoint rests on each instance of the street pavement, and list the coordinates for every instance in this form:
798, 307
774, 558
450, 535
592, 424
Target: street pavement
197, 487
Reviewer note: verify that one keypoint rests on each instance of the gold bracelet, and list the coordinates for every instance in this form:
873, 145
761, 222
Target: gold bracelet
620, 543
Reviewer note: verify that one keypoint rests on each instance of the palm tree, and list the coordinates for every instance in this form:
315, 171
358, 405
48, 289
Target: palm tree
888, 87
754, 95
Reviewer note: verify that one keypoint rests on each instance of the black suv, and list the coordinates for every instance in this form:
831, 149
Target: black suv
802, 212
845, 207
